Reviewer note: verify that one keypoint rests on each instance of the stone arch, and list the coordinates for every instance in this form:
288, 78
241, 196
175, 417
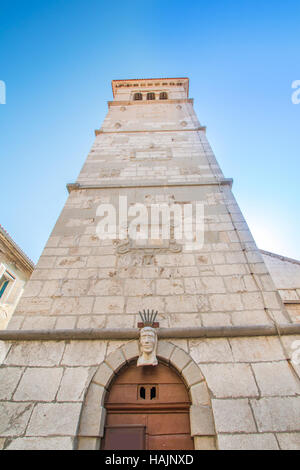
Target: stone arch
93, 414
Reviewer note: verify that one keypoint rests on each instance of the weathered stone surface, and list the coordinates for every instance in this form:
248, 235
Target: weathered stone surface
230, 380
106, 287
182, 303
210, 350
233, 416
181, 343
204, 285
276, 378
115, 360
289, 441
179, 359
101, 261
204, 443
93, 414
169, 286
225, 302
95, 321
33, 288
14, 418
41, 443
153, 302
103, 375
15, 322
201, 421
247, 442
51, 288
164, 349
32, 305
215, 319
65, 323
256, 349
74, 383
191, 374
38, 323
138, 287
252, 300
9, 378
5, 347
35, 353
39, 384
60, 419
250, 317
277, 414
109, 305
131, 350
88, 443
199, 394
120, 321
84, 353
73, 306
75, 288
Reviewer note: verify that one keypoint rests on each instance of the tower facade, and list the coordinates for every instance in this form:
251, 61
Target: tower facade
150, 223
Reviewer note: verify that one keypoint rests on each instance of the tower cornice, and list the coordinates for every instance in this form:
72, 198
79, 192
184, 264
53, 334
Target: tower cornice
149, 82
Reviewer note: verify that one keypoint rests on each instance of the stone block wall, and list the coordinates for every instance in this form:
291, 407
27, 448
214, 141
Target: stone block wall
244, 392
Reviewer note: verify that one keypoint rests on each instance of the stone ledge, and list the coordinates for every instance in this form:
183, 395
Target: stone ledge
146, 184
140, 131
143, 102
133, 333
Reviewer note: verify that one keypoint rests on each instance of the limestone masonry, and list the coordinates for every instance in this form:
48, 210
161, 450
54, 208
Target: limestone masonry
244, 390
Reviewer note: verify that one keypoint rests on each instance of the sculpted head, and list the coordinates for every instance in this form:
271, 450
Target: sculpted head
148, 345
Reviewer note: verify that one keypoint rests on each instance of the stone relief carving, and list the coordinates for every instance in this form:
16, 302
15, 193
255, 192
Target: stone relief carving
148, 347
148, 339
149, 248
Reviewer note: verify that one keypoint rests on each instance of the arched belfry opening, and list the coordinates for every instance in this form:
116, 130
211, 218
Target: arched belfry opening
147, 408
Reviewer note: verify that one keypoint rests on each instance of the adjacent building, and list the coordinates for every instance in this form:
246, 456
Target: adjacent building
15, 270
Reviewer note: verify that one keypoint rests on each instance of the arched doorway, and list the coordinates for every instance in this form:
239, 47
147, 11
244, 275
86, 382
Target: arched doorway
147, 408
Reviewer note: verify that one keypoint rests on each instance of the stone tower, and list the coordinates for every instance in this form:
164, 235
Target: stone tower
223, 329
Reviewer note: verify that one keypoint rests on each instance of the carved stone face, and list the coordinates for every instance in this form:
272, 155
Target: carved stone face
148, 345
147, 341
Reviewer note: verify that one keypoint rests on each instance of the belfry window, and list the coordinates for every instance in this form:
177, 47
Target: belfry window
150, 96
137, 97
163, 95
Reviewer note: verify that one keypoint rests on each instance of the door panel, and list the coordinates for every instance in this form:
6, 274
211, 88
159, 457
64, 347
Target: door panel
124, 438
171, 442
171, 423
160, 422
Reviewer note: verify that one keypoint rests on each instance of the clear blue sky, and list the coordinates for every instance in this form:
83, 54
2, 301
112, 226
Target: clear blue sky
58, 59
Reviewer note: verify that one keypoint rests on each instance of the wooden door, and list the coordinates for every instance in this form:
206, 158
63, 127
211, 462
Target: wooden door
148, 408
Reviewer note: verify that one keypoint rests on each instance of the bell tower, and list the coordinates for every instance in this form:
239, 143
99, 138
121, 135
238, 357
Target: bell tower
150, 223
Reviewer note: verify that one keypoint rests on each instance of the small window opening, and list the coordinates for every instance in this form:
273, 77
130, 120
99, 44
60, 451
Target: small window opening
163, 95
153, 393
142, 393
150, 96
3, 287
137, 97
